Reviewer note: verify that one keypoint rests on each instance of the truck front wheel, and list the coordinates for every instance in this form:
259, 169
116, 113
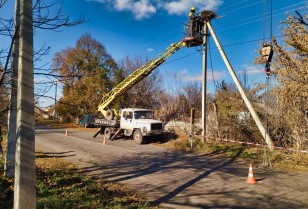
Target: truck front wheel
138, 137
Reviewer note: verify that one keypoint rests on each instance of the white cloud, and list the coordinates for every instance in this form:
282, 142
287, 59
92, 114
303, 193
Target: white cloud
180, 7
146, 8
150, 50
251, 69
140, 8
143, 9
188, 77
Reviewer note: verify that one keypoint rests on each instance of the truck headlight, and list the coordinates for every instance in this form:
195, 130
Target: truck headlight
144, 129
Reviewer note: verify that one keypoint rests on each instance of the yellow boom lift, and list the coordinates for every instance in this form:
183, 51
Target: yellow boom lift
137, 122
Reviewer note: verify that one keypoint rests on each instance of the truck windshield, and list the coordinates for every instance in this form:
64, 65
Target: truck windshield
143, 115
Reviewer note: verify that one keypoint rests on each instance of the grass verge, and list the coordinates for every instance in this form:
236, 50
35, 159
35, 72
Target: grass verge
281, 159
59, 185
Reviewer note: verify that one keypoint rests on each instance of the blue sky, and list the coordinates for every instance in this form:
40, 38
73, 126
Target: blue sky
146, 27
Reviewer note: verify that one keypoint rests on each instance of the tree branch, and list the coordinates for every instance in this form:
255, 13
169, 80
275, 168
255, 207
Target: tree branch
2, 2
300, 19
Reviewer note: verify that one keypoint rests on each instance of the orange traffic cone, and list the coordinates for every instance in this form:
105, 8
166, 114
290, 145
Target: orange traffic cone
250, 179
66, 134
104, 142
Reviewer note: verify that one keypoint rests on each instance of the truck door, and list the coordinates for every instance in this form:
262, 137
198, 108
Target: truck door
127, 120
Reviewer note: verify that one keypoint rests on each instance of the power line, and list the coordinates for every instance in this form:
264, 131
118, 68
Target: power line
257, 20
257, 16
233, 5
224, 46
264, 19
249, 5
238, 3
212, 66
180, 58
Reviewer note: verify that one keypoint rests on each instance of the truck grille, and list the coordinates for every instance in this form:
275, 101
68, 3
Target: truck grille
156, 126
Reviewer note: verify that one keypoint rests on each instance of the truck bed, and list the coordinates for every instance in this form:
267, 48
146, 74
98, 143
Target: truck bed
105, 122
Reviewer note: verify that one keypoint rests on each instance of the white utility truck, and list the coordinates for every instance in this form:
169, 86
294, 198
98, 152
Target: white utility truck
135, 122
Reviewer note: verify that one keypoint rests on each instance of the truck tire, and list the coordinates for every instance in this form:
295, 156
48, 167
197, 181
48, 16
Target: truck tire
138, 137
107, 133
109, 115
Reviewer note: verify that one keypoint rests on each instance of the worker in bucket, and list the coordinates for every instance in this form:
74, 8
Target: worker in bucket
191, 22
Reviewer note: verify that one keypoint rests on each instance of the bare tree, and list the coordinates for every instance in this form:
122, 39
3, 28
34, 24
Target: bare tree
177, 98
291, 69
44, 19
193, 94
143, 94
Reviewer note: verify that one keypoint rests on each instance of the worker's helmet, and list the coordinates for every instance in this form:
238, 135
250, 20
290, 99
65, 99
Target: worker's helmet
193, 9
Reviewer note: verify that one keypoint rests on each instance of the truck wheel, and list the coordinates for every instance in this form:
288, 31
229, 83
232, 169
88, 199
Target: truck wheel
107, 133
138, 137
109, 115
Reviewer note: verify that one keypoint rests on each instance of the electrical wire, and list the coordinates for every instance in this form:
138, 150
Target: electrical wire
264, 19
258, 16
243, 7
271, 22
232, 5
246, 23
228, 12
215, 86
180, 58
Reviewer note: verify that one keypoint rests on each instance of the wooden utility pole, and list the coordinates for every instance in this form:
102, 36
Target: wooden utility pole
204, 70
192, 124
9, 167
54, 111
24, 188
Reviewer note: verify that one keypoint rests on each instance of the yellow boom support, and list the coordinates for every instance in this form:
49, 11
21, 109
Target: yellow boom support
137, 76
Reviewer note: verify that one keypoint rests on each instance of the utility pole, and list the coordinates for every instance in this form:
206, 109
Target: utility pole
256, 118
9, 167
24, 187
54, 112
192, 124
204, 70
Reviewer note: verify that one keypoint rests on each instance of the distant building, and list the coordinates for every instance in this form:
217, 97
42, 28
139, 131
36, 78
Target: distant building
39, 112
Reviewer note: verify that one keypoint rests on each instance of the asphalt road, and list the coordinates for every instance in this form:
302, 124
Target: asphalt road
175, 179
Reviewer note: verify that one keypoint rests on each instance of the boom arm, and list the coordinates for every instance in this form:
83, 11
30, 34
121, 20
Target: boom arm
137, 76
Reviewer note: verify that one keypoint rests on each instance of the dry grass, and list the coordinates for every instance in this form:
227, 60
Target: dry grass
281, 159
60, 185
